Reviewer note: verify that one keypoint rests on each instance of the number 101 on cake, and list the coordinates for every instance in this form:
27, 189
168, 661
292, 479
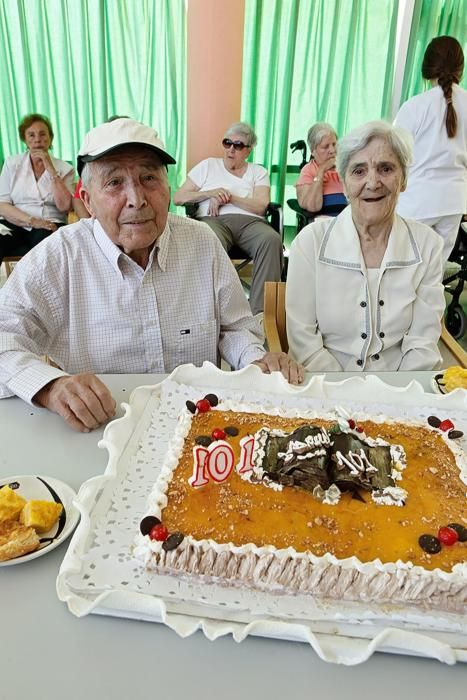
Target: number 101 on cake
217, 461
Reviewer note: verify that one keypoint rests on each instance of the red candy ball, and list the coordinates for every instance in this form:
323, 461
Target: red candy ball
218, 434
448, 536
203, 405
351, 423
159, 532
446, 425
359, 429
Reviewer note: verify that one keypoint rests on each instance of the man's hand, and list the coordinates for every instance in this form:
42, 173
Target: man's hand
37, 222
281, 362
82, 400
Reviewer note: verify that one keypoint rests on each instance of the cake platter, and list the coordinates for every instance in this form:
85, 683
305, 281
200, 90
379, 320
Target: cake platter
101, 575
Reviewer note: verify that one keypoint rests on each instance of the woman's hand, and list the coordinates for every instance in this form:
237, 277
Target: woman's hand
38, 155
37, 222
329, 164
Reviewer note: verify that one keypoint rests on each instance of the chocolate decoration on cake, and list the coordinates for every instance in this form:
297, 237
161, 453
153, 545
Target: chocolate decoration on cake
461, 531
454, 434
212, 398
434, 421
430, 544
231, 430
148, 523
203, 440
173, 541
191, 407
298, 459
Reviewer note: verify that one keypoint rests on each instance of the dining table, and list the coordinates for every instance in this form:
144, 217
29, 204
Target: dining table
48, 653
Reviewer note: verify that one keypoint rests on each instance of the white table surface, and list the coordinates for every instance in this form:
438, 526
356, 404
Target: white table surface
46, 652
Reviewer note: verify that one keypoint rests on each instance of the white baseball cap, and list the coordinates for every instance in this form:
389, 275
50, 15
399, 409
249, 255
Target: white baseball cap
120, 132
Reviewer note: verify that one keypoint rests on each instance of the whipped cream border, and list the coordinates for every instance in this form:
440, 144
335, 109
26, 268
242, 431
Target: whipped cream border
153, 556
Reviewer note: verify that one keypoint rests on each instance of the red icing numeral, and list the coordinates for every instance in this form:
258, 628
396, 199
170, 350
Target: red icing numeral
199, 472
220, 460
247, 445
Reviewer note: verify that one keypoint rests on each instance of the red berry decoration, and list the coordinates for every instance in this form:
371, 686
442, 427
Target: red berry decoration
159, 533
446, 425
448, 536
359, 429
203, 405
218, 434
351, 423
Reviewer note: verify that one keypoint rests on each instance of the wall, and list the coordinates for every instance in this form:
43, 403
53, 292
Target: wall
214, 73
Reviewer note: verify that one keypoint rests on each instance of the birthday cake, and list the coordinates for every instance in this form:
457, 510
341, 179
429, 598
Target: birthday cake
358, 508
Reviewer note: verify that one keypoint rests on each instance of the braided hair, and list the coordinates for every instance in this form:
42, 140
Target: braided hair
444, 61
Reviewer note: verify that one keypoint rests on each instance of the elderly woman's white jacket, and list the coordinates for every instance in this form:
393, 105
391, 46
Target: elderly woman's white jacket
328, 304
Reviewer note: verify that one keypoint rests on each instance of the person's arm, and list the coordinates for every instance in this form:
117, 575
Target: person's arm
310, 194
305, 340
61, 186
21, 218
257, 203
420, 343
189, 193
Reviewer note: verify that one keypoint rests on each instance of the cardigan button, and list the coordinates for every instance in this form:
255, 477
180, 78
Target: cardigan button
364, 336
363, 304
376, 357
381, 302
381, 335
359, 363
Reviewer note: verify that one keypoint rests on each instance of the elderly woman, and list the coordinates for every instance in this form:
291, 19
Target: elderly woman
35, 189
233, 196
364, 290
437, 119
319, 177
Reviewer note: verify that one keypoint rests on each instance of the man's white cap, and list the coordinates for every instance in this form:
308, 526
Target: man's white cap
120, 132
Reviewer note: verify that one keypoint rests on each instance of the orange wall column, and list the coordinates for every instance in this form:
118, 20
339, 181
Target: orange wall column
214, 73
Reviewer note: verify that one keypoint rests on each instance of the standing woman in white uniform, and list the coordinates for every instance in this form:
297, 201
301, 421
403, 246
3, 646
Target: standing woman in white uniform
436, 192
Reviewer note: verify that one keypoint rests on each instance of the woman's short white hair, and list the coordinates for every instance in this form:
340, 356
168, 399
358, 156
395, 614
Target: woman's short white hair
399, 140
317, 132
242, 129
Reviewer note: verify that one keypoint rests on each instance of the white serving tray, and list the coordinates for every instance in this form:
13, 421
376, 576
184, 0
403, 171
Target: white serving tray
100, 575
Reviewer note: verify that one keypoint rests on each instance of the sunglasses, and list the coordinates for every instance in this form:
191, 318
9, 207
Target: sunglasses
238, 145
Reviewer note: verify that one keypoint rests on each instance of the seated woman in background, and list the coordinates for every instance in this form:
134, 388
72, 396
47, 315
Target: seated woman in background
35, 189
364, 290
319, 177
233, 196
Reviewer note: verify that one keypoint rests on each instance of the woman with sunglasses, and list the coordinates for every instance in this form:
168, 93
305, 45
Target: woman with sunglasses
232, 197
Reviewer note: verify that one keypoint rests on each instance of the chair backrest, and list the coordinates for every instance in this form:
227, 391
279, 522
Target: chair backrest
10, 261
276, 330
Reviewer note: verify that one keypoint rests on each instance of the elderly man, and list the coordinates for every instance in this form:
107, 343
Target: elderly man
133, 289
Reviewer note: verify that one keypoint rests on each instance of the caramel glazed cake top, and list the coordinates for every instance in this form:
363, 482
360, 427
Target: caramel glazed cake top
342, 507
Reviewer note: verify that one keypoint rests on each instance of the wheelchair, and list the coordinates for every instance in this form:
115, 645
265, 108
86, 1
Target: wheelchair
455, 318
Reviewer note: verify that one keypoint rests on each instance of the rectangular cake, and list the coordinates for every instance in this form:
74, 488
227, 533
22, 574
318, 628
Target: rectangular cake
359, 508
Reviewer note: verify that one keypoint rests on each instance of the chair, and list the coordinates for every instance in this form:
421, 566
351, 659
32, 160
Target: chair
275, 329
333, 204
455, 316
10, 261
240, 259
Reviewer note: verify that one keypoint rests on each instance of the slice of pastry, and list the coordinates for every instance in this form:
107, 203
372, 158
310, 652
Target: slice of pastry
16, 539
11, 504
41, 515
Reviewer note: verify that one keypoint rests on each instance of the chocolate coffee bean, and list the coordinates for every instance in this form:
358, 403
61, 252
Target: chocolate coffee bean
231, 430
212, 398
173, 541
429, 544
203, 440
148, 523
453, 434
434, 421
461, 531
191, 407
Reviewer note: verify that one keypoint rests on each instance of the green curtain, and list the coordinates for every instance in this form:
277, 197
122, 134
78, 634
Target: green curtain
81, 61
432, 18
314, 60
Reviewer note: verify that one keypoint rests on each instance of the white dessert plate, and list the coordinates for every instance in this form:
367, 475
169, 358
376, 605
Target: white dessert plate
45, 488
